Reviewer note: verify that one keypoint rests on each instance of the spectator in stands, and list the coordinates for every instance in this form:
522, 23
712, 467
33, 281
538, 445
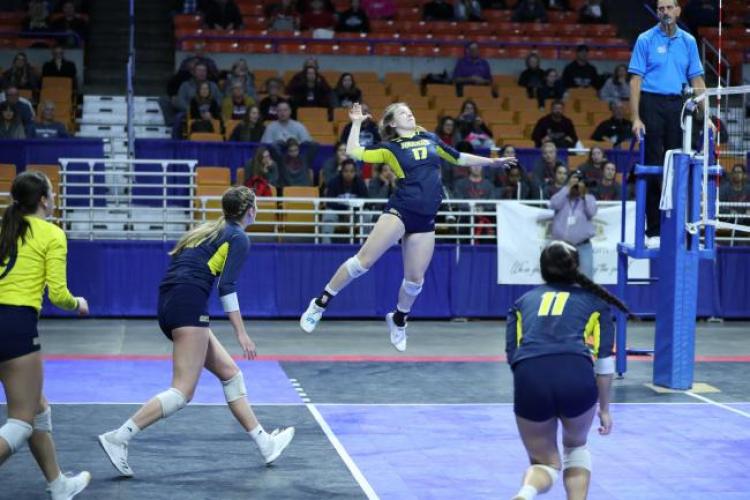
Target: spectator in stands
736, 190
607, 188
71, 22
58, 66
268, 104
545, 167
559, 5
354, 19
10, 123
466, 117
552, 88
515, 187
204, 122
223, 15
23, 109
593, 12
285, 128
580, 73
283, 16
295, 168
236, 104
555, 127
383, 183
203, 101
533, 76
498, 175
261, 173
446, 130
437, 10
699, 13
468, 10
199, 56
379, 9
369, 135
346, 184
21, 74
318, 15
574, 210
346, 92
47, 127
250, 128
471, 69
478, 134
475, 186
615, 129
189, 89
617, 86
37, 18
314, 92
557, 183
593, 167
529, 11
241, 73
332, 165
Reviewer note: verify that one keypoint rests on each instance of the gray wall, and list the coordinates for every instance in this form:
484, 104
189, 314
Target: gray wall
417, 66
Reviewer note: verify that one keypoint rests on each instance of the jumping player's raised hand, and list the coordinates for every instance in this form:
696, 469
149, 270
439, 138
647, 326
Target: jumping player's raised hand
356, 115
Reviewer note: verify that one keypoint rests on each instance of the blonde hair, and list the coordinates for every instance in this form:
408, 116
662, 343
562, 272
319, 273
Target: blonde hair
234, 204
387, 131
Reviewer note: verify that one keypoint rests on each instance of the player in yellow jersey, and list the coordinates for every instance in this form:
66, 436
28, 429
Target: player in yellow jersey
32, 257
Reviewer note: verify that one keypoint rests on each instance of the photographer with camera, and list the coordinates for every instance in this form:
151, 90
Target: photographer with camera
572, 223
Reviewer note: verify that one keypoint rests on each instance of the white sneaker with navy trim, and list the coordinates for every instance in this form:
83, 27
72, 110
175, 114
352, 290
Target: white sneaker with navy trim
311, 317
279, 440
70, 486
398, 333
116, 452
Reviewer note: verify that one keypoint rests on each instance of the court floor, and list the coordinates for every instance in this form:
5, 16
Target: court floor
434, 422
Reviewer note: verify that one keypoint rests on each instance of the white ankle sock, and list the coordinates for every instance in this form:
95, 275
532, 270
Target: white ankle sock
527, 492
58, 484
260, 436
126, 432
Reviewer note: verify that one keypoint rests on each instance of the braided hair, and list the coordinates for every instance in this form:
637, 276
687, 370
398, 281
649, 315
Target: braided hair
559, 264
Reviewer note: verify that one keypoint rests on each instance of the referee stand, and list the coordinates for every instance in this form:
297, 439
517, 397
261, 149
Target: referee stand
676, 260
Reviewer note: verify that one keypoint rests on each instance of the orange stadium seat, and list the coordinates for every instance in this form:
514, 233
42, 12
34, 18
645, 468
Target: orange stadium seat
206, 137
299, 222
306, 115
265, 219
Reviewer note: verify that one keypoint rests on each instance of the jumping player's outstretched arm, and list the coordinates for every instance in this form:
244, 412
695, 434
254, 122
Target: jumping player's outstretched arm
469, 160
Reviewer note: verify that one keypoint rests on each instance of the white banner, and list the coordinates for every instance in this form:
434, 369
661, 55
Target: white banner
523, 231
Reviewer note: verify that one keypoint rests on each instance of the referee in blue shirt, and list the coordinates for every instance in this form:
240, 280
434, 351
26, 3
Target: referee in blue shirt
665, 58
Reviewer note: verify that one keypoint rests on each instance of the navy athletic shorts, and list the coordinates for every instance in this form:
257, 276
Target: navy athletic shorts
182, 305
557, 385
413, 222
18, 332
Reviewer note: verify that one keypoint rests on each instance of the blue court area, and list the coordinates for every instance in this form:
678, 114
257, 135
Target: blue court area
398, 430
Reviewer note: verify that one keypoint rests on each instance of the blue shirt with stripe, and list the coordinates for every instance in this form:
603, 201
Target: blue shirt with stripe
665, 63
415, 161
559, 319
222, 256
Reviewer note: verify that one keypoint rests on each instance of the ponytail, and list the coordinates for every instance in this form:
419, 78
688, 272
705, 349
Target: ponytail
234, 204
26, 192
587, 284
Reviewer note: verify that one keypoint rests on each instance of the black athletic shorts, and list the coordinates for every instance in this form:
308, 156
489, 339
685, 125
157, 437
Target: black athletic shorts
413, 222
557, 385
18, 331
182, 305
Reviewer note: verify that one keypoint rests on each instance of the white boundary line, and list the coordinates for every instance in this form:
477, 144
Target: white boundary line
716, 403
358, 476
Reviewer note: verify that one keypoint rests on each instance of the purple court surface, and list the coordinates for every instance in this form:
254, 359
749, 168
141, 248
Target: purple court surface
436, 425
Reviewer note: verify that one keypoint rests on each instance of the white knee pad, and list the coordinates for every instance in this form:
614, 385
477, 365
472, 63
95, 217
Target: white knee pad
43, 421
411, 288
577, 457
172, 401
15, 432
551, 471
234, 388
354, 267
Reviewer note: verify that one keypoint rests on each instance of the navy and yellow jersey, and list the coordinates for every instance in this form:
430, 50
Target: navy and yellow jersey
559, 319
416, 163
39, 263
222, 256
